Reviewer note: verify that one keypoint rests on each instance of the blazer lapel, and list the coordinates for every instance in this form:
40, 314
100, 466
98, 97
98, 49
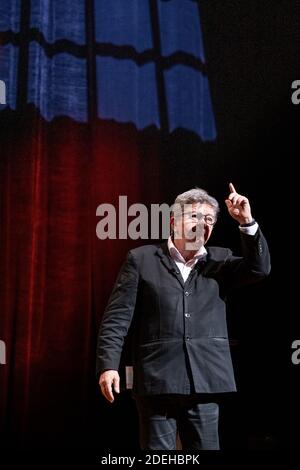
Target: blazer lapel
169, 263
197, 269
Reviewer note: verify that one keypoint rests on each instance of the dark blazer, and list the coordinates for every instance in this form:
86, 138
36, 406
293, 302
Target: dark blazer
177, 326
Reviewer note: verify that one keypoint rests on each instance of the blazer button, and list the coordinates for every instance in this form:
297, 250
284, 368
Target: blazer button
187, 315
187, 293
187, 338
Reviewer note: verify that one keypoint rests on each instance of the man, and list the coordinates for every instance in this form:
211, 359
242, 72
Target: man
173, 297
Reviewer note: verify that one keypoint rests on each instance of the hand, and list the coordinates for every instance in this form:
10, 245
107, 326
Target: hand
238, 206
109, 380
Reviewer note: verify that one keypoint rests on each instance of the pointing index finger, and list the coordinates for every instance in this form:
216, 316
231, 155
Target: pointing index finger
232, 188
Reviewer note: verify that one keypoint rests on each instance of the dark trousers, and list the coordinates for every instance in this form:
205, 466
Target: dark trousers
161, 417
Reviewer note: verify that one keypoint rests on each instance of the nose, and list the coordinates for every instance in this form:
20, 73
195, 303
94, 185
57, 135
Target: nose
199, 221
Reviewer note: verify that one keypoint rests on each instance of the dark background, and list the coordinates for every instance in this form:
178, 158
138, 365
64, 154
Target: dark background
252, 52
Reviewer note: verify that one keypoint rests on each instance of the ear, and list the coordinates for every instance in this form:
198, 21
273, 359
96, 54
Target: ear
209, 234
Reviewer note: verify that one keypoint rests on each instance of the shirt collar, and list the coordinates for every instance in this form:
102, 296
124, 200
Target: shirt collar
177, 256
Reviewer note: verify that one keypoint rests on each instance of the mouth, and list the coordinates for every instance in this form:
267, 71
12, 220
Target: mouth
197, 233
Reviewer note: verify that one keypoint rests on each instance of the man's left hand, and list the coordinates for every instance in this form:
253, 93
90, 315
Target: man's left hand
238, 206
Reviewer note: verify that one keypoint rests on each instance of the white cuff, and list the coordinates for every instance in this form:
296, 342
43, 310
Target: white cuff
249, 230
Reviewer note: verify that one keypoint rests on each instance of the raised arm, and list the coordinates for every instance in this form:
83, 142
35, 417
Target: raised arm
255, 261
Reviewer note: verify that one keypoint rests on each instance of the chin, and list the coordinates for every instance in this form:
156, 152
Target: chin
197, 244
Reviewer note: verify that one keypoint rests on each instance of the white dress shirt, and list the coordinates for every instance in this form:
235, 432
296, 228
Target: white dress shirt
184, 266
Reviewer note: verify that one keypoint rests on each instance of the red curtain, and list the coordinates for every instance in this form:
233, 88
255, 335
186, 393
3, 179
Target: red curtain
56, 275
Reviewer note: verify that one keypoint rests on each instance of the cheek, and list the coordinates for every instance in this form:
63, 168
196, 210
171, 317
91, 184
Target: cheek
208, 232
178, 226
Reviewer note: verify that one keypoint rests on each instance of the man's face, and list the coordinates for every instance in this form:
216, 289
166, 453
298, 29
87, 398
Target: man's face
192, 226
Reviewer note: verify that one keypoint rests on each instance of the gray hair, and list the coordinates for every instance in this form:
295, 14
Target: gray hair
196, 195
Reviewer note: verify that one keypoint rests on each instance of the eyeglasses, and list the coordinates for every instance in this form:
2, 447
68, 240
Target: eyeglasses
209, 219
